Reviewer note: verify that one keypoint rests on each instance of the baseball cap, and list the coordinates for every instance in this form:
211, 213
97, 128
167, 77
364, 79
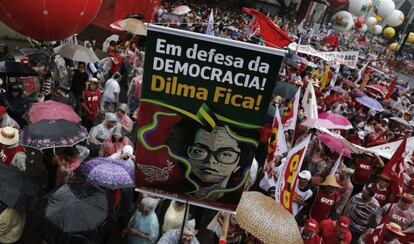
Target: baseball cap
343, 224
305, 175
312, 225
2, 110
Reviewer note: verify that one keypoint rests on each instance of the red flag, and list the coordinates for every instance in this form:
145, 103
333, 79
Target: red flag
391, 88
394, 169
272, 34
377, 236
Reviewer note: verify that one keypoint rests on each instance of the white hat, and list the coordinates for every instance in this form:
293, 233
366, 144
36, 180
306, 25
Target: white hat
128, 149
361, 135
305, 175
9, 136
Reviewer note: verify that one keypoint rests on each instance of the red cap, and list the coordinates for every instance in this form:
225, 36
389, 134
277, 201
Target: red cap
2, 110
312, 225
343, 224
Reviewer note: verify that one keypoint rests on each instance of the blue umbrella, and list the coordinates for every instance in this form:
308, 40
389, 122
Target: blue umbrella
109, 173
370, 103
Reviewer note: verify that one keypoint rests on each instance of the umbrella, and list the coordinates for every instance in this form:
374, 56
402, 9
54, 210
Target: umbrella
50, 110
401, 121
257, 214
323, 123
75, 212
105, 45
37, 56
109, 173
16, 69
337, 119
77, 53
16, 189
339, 89
115, 25
376, 90
134, 26
335, 144
52, 133
285, 90
370, 103
180, 10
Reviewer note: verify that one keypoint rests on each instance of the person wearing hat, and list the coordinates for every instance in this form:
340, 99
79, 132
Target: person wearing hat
125, 155
332, 232
11, 153
326, 199
401, 213
302, 192
310, 232
6, 120
392, 233
364, 164
90, 102
115, 143
361, 210
344, 179
381, 189
124, 120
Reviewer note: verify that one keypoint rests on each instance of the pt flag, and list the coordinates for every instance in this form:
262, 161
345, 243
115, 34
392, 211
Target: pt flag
272, 34
290, 116
277, 141
204, 101
286, 183
395, 168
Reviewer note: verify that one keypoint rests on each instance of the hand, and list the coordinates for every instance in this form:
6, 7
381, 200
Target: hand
21, 165
134, 232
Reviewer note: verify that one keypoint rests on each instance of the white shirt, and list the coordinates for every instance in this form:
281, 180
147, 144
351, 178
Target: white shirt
305, 195
111, 87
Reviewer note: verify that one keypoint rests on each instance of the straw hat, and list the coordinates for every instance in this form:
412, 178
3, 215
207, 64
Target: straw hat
94, 80
394, 228
406, 197
257, 214
330, 180
9, 136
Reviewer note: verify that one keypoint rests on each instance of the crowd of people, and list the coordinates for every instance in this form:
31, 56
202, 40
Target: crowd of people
345, 206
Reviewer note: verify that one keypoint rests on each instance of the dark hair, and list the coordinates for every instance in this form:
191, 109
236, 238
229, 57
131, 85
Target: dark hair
112, 43
67, 153
82, 63
371, 191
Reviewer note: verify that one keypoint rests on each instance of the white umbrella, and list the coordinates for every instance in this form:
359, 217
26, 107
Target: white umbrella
134, 26
77, 53
180, 10
105, 45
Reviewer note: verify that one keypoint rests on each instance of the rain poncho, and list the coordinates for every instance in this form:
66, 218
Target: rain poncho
147, 225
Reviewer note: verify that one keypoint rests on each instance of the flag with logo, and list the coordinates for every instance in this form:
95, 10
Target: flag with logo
361, 72
290, 116
286, 183
377, 236
391, 88
210, 26
395, 168
388, 149
309, 103
277, 141
325, 78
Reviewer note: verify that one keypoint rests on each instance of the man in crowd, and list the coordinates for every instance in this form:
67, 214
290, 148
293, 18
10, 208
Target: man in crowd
333, 232
326, 199
310, 232
11, 153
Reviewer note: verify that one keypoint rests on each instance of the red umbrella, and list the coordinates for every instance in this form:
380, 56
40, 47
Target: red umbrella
52, 110
376, 90
335, 144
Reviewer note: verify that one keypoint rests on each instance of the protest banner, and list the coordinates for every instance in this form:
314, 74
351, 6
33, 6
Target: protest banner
204, 101
286, 183
349, 58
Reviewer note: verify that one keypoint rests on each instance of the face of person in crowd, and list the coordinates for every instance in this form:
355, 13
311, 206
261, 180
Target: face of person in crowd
145, 210
81, 68
303, 183
187, 237
93, 86
110, 124
366, 196
343, 176
329, 189
214, 156
120, 113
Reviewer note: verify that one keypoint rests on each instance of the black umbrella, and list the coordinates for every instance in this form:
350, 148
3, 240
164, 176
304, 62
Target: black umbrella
37, 56
53, 133
76, 214
15, 69
16, 189
285, 90
135, 16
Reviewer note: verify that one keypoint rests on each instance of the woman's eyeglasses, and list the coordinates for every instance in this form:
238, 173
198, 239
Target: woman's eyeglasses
222, 155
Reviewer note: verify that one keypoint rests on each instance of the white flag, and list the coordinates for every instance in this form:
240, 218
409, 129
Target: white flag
281, 146
210, 26
290, 116
361, 72
309, 103
336, 165
387, 150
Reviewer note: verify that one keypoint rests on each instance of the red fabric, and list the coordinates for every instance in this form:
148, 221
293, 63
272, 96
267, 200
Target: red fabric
323, 205
394, 169
382, 196
7, 154
272, 34
328, 233
315, 240
116, 197
332, 40
265, 133
91, 99
50, 20
116, 67
363, 169
378, 232
391, 89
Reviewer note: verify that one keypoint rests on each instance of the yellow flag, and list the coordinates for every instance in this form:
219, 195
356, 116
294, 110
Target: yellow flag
325, 78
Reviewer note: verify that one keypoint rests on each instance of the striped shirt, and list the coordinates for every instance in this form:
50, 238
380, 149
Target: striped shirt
360, 212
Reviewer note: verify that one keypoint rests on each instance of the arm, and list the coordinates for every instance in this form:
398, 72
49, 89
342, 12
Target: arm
19, 161
349, 207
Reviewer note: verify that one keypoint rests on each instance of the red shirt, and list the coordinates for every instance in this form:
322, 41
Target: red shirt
7, 154
323, 205
315, 240
363, 169
91, 100
116, 63
328, 233
380, 194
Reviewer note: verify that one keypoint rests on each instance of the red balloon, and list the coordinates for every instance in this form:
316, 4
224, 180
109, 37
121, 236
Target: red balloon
360, 21
338, 3
48, 20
